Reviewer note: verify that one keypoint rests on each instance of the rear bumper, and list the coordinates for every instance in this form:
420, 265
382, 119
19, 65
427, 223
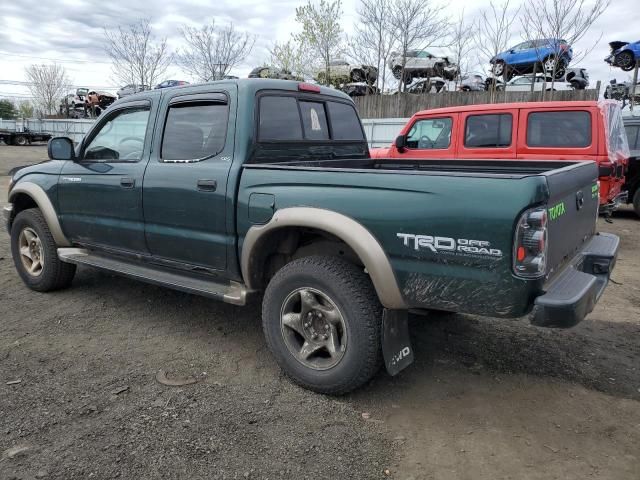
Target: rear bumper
573, 293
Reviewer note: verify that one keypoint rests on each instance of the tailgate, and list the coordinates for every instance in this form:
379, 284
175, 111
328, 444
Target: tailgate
572, 211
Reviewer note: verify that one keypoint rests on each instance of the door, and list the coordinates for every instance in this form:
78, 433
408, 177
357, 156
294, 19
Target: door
185, 186
100, 194
430, 137
489, 134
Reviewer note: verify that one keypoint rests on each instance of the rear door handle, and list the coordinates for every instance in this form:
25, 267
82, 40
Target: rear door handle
127, 182
207, 185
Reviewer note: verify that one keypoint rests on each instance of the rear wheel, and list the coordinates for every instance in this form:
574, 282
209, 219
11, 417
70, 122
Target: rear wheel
20, 140
397, 72
322, 321
357, 76
498, 68
35, 253
625, 60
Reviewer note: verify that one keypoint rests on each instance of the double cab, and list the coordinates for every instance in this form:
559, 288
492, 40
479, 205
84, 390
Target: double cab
537, 131
266, 188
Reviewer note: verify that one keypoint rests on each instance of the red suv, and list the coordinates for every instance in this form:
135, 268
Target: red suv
587, 130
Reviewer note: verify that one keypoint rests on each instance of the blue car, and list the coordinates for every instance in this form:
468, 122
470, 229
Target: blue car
521, 59
624, 55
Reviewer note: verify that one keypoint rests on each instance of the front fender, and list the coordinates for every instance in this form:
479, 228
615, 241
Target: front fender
39, 196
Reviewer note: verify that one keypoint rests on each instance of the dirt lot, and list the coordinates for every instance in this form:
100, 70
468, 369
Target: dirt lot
486, 398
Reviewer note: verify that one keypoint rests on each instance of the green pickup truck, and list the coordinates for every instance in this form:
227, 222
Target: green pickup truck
246, 187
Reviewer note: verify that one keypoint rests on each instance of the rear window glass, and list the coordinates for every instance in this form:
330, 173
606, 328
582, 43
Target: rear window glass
287, 118
279, 119
194, 131
487, 131
314, 120
345, 124
559, 129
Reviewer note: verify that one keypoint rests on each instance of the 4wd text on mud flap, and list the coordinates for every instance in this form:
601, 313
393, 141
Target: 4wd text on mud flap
449, 245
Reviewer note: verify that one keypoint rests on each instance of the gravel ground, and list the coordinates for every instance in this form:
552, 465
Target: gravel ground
485, 399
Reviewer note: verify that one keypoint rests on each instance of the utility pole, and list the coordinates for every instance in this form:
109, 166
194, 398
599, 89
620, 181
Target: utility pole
632, 93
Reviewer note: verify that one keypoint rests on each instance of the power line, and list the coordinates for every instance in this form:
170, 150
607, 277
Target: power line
59, 60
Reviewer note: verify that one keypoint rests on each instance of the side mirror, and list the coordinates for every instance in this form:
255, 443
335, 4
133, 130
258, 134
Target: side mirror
512, 51
61, 148
401, 143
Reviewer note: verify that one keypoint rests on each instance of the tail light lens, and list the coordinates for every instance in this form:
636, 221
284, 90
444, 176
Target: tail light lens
530, 246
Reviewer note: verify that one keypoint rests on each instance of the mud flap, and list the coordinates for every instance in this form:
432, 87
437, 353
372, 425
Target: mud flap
396, 346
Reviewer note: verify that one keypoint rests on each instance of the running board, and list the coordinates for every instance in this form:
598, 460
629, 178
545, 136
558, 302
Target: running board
232, 292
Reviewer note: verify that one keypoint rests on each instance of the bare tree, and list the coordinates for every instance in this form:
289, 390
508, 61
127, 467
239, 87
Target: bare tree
493, 34
559, 24
462, 37
293, 57
48, 84
137, 57
372, 40
321, 30
417, 24
213, 51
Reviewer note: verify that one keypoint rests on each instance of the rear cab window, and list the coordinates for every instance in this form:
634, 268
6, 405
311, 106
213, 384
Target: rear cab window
561, 129
314, 127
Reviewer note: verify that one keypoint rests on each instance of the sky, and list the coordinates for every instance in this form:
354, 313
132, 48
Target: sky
71, 33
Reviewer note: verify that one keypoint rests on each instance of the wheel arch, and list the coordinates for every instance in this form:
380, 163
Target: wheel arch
29, 195
264, 240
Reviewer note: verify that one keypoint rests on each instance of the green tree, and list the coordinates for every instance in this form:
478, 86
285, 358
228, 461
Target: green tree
7, 109
321, 30
25, 109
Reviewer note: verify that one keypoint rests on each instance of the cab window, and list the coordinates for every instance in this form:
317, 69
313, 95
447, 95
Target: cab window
194, 130
559, 129
488, 131
430, 134
121, 138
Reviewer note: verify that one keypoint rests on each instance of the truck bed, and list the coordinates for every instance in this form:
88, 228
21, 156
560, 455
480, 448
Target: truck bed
509, 168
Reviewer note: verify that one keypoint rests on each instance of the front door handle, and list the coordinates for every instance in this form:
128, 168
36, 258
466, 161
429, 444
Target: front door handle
207, 185
127, 182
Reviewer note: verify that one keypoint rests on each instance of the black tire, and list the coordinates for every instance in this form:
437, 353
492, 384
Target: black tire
636, 201
20, 140
54, 274
625, 60
397, 72
352, 292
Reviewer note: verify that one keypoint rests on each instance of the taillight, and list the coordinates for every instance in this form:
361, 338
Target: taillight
308, 87
530, 246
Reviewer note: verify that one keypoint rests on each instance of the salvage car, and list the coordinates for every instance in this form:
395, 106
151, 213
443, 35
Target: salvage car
341, 71
359, 89
624, 55
131, 89
265, 188
74, 101
534, 131
171, 83
421, 64
429, 85
578, 78
272, 72
472, 83
540, 83
541, 55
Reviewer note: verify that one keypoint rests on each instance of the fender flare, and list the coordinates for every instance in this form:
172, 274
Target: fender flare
46, 207
359, 239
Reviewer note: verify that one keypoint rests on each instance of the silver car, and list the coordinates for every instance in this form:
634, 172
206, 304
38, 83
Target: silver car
422, 64
131, 89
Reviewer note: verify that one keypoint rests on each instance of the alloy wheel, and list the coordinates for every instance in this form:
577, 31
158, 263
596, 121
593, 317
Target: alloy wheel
31, 252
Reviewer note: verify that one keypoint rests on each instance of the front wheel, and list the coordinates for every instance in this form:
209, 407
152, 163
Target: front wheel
322, 321
35, 254
625, 60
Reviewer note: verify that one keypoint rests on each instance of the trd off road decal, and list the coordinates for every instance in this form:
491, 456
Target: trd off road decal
595, 190
557, 211
459, 246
